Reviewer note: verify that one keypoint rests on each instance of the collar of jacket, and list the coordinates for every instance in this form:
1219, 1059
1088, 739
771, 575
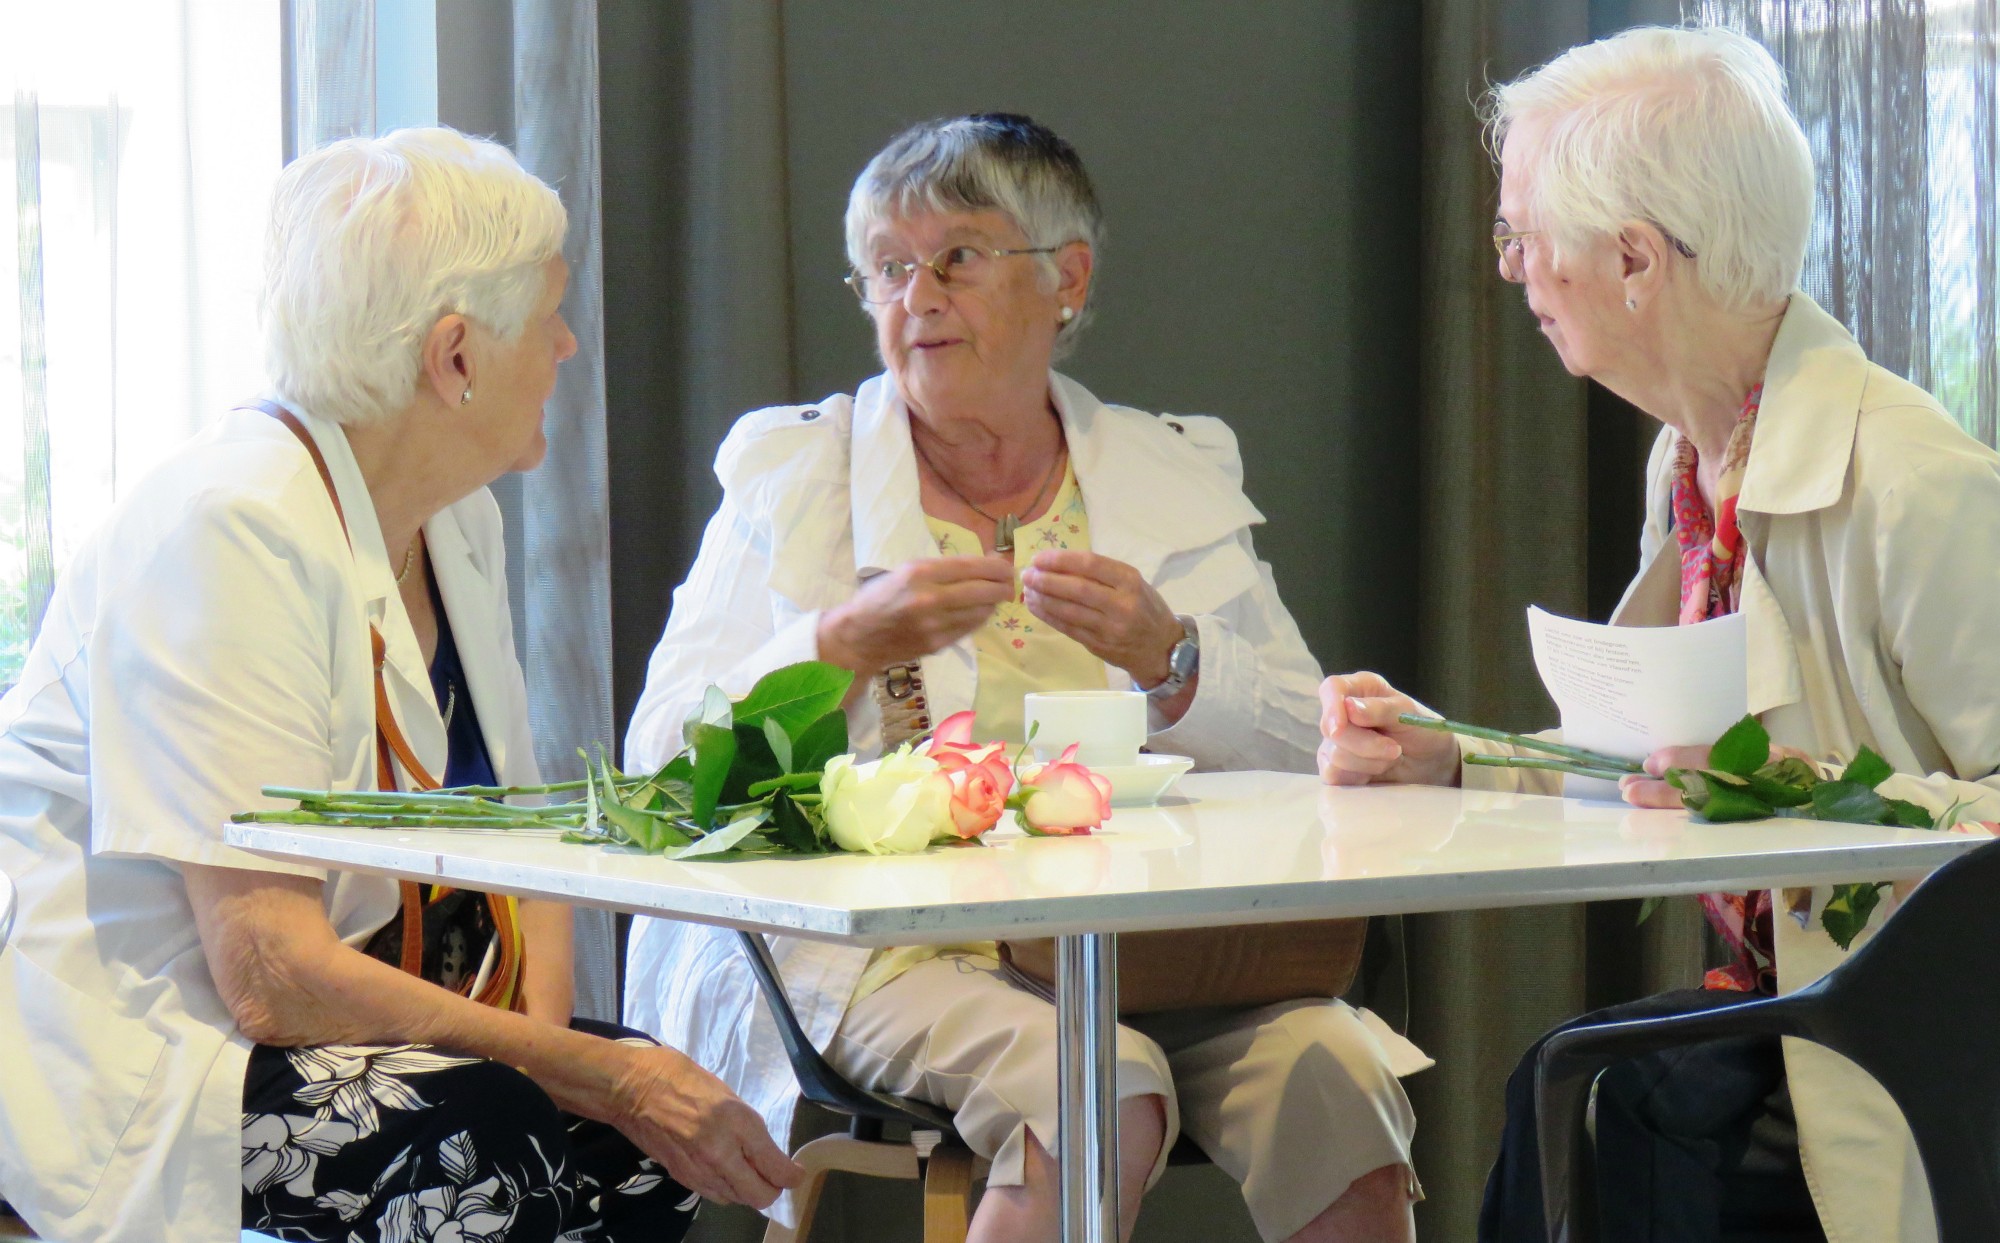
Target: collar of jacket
1805, 424
1164, 496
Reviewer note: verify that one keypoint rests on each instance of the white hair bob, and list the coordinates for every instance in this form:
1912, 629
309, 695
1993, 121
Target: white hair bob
373, 240
992, 161
1686, 128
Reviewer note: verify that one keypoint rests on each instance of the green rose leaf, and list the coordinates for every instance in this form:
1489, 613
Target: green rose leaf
820, 742
1847, 912
795, 696
1868, 769
1911, 815
1647, 907
780, 741
792, 830
727, 837
714, 755
1851, 803
1742, 750
1728, 803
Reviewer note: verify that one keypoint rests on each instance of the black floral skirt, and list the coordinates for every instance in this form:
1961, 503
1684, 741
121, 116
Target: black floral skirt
415, 1144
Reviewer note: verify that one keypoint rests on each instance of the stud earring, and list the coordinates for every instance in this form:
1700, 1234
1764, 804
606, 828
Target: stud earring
465, 398
1631, 304
1068, 314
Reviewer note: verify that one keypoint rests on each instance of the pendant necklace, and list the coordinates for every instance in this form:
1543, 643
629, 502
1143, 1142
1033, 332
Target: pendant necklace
1006, 524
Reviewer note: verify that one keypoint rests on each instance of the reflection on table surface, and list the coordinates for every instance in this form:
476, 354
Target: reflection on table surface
1225, 847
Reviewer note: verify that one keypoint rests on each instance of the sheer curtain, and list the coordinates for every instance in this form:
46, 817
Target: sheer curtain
1901, 100
143, 138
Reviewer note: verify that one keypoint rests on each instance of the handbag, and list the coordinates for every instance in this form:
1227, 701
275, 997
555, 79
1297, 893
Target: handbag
1239, 966
459, 934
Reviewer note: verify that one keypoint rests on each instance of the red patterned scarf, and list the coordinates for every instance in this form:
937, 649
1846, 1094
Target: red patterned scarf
1711, 547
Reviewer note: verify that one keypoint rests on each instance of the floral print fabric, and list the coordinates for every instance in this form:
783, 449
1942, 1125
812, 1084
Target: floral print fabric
1016, 651
1711, 547
412, 1144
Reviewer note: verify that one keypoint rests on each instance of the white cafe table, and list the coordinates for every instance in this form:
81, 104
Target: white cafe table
1223, 848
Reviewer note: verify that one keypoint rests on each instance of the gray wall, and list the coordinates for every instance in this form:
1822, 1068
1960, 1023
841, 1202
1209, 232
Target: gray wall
1257, 165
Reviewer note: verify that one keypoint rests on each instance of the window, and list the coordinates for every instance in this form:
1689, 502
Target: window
143, 137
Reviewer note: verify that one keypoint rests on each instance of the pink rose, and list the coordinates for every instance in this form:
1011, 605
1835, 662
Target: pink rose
981, 777
1068, 798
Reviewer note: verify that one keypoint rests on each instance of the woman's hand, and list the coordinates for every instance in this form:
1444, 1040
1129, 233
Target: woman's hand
689, 1121
1362, 742
1107, 606
917, 608
1653, 790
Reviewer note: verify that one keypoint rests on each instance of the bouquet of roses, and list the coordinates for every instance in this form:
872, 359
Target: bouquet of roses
1744, 780
766, 775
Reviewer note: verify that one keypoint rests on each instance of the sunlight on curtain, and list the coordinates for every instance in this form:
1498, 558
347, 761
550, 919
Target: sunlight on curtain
143, 137
1901, 100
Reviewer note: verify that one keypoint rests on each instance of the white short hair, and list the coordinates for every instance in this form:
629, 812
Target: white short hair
992, 161
1687, 128
373, 240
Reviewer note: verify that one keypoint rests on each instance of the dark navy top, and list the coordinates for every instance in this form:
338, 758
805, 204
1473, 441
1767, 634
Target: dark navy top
467, 763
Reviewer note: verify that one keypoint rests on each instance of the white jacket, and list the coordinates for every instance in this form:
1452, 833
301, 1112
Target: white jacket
210, 639
818, 498
1870, 598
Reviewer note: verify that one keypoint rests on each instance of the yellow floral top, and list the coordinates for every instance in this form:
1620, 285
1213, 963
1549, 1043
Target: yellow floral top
1018, 652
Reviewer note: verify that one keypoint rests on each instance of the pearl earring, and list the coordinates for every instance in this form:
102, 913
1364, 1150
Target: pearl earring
465, 398
1631, 304
1068, 314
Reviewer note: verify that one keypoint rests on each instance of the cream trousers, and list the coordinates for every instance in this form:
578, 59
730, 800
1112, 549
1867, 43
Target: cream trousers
1295, 1100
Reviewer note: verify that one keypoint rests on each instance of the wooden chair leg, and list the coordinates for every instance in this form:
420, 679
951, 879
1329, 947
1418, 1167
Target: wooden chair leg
948, 1194
849, 1155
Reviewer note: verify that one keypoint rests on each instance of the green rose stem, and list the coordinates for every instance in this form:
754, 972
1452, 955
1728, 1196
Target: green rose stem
1576, 755
1549, 765
360, 820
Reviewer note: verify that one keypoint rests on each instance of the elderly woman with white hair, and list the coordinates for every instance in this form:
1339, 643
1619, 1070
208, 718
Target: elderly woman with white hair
312, 594
1655, 195
884, 532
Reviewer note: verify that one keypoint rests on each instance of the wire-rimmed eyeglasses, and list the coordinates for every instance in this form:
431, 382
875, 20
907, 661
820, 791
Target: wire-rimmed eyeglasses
1507, 244
962, 265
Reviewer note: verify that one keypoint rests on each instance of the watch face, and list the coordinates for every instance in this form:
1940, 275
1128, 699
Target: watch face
1183, 659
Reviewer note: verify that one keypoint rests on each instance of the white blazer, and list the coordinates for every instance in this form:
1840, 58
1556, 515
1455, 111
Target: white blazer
1869, 596
818, 498
210, 639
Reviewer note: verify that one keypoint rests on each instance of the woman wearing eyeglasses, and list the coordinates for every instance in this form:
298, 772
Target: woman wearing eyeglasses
965, 528
1656, 194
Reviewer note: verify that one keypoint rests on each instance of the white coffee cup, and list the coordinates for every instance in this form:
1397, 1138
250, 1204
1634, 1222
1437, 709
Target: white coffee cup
1108, 726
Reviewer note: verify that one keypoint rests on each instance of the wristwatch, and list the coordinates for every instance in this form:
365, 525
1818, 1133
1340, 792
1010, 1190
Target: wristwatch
1182, 661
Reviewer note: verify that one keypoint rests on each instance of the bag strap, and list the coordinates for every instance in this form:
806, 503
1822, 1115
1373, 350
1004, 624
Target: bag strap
391, 747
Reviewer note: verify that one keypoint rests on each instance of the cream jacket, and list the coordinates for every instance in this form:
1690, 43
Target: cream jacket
1871, 598
818, 498
212, 638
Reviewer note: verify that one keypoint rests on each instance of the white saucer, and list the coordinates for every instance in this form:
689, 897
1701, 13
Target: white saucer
1136, 785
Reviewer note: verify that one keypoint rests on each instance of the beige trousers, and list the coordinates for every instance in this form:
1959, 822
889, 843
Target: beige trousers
1295, 1100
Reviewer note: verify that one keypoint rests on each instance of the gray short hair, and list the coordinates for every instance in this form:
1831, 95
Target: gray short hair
373, 240
1685, 127
992, 161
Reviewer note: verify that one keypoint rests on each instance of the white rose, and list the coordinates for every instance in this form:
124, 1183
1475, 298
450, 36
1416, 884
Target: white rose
891, 806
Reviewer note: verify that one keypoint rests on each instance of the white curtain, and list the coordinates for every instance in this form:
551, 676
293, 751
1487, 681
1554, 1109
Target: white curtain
1901, 100
143, 137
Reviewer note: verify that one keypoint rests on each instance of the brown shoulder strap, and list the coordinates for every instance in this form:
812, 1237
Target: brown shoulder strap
389, 739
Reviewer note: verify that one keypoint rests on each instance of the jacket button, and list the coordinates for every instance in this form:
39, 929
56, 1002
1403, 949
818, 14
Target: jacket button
808, 416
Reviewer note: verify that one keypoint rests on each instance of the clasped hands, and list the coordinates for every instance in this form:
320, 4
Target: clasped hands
922, 607
1362, 742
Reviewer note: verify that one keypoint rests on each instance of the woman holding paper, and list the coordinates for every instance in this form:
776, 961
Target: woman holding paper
1655, 199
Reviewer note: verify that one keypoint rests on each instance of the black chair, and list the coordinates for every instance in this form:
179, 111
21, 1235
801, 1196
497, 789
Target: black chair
945, 1164
1910, 1007
933, 1151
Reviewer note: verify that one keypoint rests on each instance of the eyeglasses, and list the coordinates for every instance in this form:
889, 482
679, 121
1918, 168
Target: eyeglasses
963, 266
1507, 244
